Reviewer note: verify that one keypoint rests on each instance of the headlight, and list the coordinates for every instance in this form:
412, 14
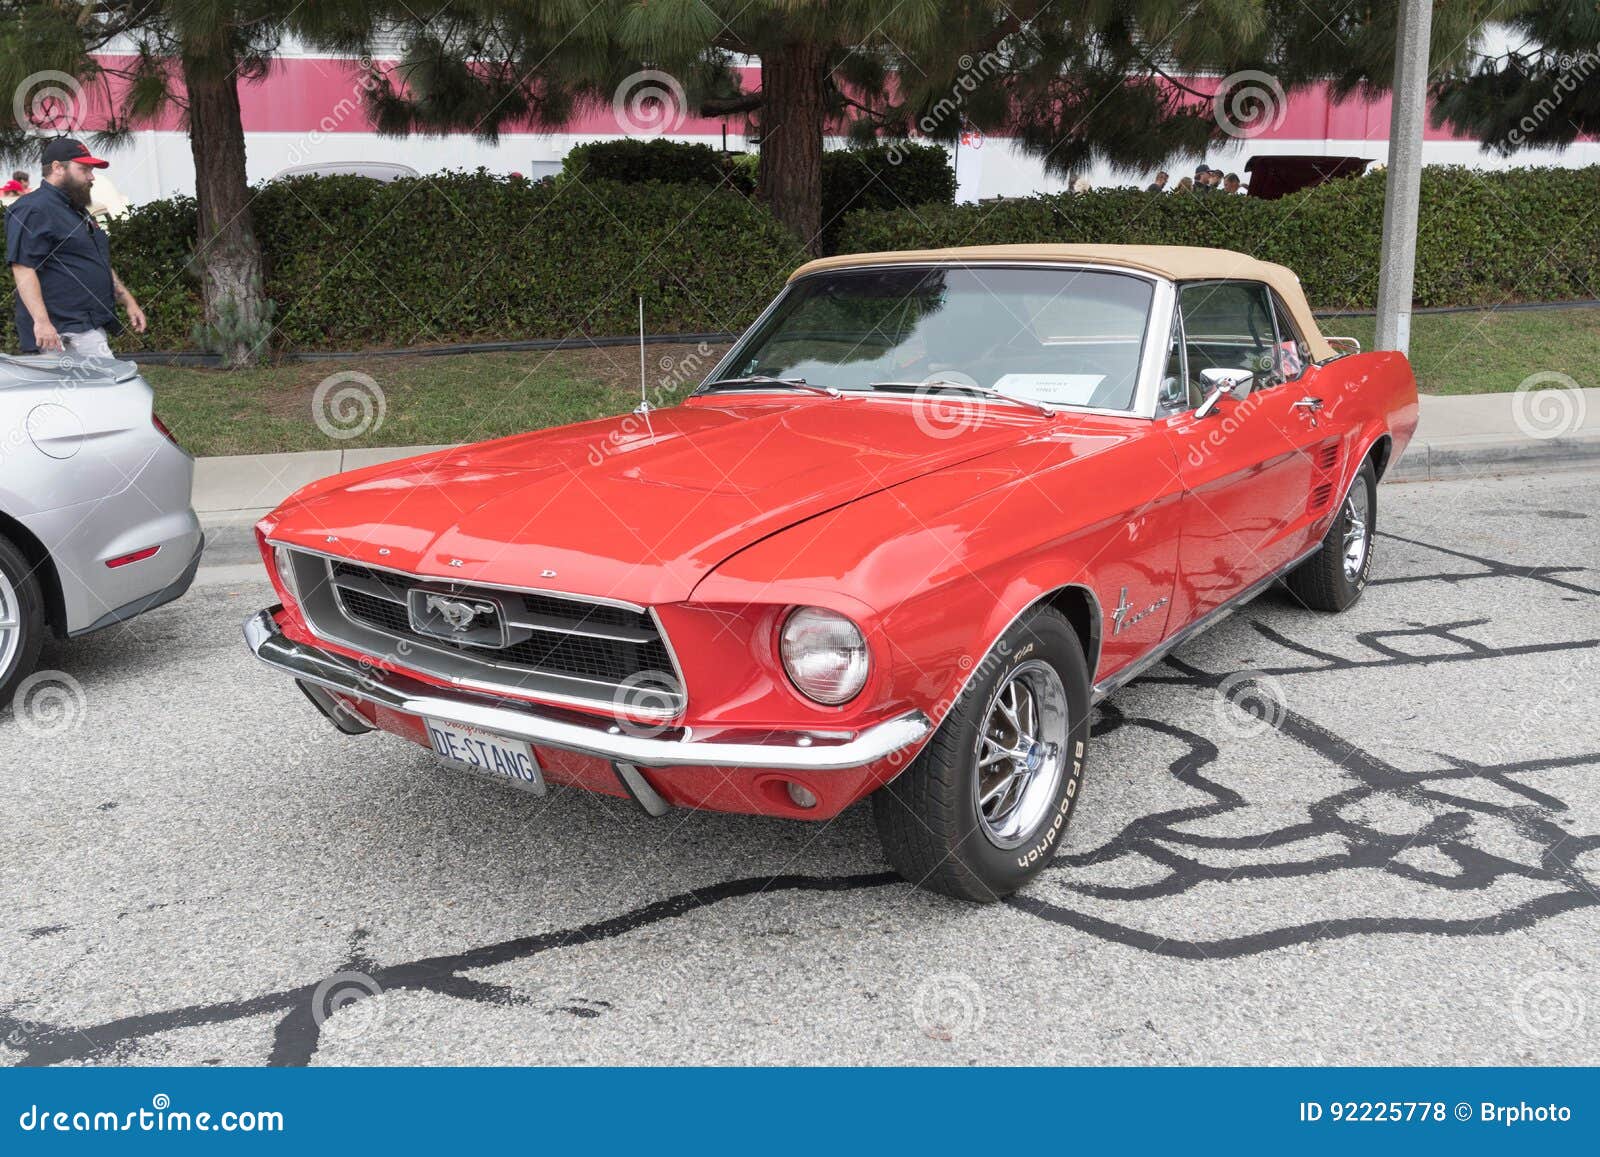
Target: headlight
283, 562
825, 655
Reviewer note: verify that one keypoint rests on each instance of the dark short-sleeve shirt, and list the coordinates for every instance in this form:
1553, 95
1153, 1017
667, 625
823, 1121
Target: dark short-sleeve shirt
72, 256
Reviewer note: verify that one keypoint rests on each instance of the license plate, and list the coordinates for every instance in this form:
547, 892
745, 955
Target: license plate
485, 753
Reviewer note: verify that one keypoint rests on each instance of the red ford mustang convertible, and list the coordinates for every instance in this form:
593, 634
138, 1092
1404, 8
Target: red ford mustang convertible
928, 510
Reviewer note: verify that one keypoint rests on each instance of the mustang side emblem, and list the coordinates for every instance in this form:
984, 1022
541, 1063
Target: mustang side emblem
1121, 618
458, 613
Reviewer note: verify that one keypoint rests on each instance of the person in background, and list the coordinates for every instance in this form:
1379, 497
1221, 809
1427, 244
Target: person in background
1186, 185
14, 188
67, 292
1158, 184
1230, 184
1202, 177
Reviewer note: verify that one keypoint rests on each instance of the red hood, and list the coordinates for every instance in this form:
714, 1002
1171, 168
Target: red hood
627, 509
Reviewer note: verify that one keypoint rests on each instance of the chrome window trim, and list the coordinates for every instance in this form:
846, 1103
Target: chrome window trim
1147, 381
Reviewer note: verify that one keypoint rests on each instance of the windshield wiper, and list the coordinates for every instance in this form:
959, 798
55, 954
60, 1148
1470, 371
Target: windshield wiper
769, 380
983, 391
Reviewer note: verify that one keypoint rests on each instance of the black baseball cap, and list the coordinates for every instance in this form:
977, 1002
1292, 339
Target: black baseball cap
67, 149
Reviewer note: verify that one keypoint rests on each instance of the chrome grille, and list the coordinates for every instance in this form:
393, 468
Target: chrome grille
561, 647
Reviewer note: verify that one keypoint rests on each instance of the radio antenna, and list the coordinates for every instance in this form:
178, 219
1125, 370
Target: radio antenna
644, 397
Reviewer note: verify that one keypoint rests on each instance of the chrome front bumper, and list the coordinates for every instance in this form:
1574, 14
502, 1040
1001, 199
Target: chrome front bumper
574, 731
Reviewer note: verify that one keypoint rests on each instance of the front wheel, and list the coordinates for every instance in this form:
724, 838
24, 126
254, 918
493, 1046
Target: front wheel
982, 808
21, 619
1334, 577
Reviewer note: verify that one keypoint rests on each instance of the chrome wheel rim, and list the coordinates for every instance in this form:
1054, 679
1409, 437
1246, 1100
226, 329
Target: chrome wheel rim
10, 625
1357, 512
1021, 753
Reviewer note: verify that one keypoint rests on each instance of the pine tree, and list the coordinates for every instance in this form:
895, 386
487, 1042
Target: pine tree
1544, 92
184, 55
1079, 81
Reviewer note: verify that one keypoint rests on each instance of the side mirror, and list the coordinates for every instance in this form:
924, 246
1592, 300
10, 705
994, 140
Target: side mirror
1344, 345
1223, 383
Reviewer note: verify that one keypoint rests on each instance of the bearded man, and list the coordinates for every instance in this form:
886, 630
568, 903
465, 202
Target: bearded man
61, 260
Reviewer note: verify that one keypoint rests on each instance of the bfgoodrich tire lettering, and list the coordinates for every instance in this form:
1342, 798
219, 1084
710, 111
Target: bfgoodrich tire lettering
21, 620
944, 823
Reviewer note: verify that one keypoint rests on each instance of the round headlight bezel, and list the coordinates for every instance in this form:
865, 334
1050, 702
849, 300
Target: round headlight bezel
283, 563
806, 638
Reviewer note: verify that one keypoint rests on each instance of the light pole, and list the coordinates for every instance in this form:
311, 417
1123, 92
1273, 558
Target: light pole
1397, 261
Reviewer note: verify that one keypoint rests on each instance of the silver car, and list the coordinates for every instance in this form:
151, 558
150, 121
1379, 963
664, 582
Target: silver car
95, 520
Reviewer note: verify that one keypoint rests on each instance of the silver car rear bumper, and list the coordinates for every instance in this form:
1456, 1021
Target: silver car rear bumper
573, 731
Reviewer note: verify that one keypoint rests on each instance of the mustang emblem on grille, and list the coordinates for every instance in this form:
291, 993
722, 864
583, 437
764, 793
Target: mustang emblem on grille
459, 613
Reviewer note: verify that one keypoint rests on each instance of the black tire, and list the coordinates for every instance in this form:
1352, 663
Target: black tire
929, 817
29, 613
1322, 582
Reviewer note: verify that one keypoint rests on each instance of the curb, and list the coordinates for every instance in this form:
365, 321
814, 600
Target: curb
247, 485
240, 483
1473, 456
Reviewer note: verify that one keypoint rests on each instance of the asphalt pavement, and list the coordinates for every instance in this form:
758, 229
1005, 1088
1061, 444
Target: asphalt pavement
1367, 838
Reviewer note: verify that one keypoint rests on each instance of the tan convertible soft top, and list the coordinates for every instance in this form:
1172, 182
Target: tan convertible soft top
1175, 262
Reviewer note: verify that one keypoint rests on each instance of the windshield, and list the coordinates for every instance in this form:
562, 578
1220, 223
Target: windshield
1057, 336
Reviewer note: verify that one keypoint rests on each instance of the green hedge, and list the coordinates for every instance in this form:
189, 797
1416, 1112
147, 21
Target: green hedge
468, 256
894, 176
635, 161
891, 176
471, 256
1484, 238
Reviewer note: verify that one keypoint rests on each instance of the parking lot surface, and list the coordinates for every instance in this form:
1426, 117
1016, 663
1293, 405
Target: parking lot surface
1307, 839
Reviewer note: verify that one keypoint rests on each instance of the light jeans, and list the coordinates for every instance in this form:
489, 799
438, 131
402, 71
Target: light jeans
89, 343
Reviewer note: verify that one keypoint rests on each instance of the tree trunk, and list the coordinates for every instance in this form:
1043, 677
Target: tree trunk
793, 81
238, 319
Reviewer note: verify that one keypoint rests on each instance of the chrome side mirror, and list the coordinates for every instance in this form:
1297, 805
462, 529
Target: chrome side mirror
1222, 387
1344, 345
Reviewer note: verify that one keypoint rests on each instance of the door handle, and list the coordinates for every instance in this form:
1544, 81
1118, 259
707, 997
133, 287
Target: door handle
1310, 406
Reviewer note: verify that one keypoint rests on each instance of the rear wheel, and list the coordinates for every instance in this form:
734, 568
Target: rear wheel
982, 808
1335, 576
21, 619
